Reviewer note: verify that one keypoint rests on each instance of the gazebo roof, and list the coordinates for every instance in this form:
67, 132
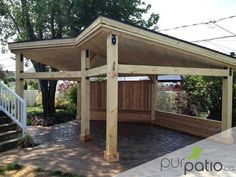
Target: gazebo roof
112, 48
137, 46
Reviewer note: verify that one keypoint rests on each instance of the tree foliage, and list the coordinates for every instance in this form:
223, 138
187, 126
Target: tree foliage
50, 19
24, 20
2, 73
206, 94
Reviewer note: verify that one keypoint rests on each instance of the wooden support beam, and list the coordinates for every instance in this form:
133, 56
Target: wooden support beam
85, 97
98, 71
19, 70
64, 75
154, 97
111, 154
159, 70
78, 101
227, 99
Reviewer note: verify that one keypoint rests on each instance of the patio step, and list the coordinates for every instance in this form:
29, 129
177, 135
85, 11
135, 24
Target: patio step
4, 119
2, 113
9, 144
10, 133
7, 127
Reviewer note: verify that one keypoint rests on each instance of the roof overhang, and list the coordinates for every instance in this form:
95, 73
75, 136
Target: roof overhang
137, 46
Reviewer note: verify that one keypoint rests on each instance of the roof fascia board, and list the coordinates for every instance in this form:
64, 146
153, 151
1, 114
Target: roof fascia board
79, 40
88, 31
41, 44
141, 34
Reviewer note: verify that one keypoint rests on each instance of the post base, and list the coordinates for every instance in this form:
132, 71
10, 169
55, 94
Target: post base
114, 157
85, 138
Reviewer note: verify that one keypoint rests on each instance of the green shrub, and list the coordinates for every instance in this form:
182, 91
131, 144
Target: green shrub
73, 94
166, 101
61, 100
39, 99
33, 85
26, 141
206, 94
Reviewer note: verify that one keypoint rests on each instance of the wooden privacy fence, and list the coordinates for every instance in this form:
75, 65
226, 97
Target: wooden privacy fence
134, 105
133, 95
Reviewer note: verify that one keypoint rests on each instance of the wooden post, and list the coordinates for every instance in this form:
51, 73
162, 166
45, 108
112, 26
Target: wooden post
111, 154
227, 94
78, 101
85, 97
19, 70
154, 97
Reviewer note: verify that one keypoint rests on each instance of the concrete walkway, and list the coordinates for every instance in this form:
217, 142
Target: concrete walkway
60, 148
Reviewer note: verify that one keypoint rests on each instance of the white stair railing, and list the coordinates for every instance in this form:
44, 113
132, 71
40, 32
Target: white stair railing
13, 106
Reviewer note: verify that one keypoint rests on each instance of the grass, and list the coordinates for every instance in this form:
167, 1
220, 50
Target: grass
10, 167
14, 169
36, 116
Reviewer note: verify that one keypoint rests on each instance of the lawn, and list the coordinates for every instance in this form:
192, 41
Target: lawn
16, 170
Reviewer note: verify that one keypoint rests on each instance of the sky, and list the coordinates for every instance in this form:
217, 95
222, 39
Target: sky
174, 13
186, 12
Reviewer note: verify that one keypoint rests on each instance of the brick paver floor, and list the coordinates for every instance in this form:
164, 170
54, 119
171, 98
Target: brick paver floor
60, 148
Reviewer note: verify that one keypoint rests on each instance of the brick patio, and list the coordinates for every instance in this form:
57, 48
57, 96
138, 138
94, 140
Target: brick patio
60, 148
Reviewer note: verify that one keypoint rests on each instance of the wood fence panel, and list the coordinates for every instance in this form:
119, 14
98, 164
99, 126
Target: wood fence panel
133, 95
188, 124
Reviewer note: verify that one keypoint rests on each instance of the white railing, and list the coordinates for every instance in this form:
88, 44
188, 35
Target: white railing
13, 106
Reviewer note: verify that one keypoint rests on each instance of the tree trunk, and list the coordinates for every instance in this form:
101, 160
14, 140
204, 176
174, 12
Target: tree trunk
52, 93
48, 89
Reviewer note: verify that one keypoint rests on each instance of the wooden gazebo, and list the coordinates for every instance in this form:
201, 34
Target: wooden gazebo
113, 48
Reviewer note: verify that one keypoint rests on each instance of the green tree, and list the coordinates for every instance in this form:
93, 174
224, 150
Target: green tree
206, 94
52, 19
2, 73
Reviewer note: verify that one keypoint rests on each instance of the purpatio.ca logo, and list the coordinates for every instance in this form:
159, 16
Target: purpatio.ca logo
196, 152
192, 163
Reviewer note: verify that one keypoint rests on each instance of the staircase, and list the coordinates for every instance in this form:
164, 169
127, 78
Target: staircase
10, 133
12, 118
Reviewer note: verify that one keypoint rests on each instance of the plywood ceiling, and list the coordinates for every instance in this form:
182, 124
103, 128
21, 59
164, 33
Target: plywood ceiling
130, 52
